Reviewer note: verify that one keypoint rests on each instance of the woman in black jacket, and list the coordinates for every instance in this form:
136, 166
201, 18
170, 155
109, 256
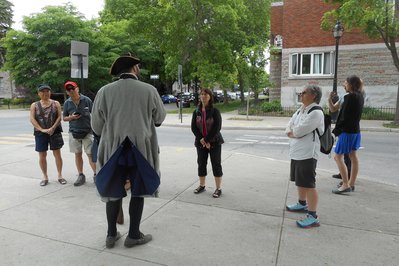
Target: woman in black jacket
347, 128
206, 124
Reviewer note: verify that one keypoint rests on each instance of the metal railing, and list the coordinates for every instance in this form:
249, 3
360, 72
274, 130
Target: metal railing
369, 113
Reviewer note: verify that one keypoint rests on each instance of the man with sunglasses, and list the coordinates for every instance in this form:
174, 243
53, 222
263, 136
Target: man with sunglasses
77, 109
304, 152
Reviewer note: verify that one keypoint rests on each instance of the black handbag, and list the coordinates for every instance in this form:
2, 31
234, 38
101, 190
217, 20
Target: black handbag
79, 134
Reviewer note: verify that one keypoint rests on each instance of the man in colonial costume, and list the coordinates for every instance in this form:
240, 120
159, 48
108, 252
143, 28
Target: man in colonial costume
125, 114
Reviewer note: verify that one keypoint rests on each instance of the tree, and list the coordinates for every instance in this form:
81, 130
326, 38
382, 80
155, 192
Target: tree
122, 24
205, 36
5, 24
252, 42
376, 18
41, 53
198, 34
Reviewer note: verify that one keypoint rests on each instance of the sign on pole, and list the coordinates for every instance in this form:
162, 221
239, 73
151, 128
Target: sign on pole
79, 59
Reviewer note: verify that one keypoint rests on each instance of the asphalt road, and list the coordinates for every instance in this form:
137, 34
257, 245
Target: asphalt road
378, 155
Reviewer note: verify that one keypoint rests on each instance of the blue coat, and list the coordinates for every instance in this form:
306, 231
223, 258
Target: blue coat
127, 163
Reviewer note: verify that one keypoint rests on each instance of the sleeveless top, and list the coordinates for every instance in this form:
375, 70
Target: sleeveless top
46, 117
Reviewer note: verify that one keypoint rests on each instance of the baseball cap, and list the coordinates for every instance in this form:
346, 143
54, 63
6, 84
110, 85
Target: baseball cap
70, 84
43, 87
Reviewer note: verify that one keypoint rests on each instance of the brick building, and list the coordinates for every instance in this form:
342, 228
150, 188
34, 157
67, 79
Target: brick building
303, 54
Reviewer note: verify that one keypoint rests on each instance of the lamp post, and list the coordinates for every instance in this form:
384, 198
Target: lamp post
337, 33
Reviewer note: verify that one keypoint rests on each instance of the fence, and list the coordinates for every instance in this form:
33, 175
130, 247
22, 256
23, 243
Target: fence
369, 113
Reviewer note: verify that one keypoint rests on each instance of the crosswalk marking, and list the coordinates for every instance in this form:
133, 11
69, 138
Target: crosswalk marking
26, 139
260, 139
15, 138
9, 142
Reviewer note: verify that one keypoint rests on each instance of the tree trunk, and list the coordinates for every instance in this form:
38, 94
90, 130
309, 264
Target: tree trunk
225, 98
241, 82
397, 108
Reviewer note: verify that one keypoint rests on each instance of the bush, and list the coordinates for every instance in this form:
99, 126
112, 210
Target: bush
376, 114
17, 101
269, 107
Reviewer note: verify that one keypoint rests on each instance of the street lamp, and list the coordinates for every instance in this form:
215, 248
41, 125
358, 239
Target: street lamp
337, 33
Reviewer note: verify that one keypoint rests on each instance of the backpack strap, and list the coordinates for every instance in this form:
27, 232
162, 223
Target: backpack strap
316, 107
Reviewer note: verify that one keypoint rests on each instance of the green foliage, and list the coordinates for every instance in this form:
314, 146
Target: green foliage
17, 101
370, 113
376, 18
214, 41
205, 36
274, 106
5, 24
6, 101
223, 108
41, 53
391, 125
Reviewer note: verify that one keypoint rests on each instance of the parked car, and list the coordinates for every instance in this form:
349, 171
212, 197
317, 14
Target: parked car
185, 99
232, 95
218, 97
168, 98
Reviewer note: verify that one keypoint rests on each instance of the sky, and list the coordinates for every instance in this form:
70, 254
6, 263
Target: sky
89, 8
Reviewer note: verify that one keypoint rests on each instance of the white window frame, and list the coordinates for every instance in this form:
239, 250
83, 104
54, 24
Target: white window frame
299, 58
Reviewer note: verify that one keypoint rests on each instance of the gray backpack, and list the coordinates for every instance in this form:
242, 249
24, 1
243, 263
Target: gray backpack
327, 139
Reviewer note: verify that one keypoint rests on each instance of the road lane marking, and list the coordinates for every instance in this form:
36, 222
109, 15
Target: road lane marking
16, 138
248, 140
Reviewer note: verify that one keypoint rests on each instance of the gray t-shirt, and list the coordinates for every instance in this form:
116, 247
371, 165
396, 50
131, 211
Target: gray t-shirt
84, 107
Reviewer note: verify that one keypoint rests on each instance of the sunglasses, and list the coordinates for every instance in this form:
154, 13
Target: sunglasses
71, 89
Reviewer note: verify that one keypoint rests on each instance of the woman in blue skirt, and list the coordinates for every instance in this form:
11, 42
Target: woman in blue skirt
347, 128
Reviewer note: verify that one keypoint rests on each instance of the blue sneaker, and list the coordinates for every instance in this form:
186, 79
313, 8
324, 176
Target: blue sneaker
308, 221
297, 207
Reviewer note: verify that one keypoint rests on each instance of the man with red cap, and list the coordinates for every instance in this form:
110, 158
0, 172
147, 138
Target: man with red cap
77, 109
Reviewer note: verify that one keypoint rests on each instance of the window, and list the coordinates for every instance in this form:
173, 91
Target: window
311, 64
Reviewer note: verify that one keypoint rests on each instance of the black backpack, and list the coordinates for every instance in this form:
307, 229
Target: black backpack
327, 139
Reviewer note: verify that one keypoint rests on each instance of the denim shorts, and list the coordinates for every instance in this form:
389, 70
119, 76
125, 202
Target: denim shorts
42, 142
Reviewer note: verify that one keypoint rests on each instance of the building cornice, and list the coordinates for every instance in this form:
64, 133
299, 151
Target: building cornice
348, 47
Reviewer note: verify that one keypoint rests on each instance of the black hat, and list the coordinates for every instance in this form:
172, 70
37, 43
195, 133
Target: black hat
43, 87
123, 62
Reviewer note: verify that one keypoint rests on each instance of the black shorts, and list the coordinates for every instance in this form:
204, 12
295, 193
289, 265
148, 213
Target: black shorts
303, 172
44, 140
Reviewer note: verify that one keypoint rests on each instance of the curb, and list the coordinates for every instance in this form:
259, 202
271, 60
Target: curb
368, 129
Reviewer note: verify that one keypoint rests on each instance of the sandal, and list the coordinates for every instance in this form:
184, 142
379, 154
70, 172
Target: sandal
217, 193
199, 189
44, 182
62, 181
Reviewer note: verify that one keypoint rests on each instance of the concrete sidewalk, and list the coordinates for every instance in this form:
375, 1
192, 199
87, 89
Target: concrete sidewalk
66, 225
232, 120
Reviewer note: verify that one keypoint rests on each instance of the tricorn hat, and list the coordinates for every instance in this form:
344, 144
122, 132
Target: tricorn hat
123, 62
